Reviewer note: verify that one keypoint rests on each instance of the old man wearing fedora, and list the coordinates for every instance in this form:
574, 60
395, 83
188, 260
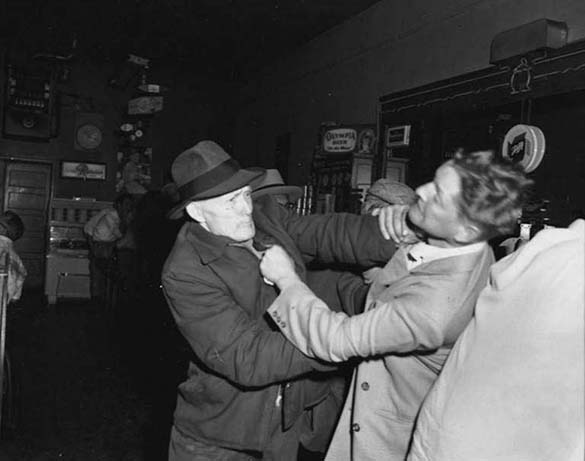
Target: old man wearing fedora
249, 393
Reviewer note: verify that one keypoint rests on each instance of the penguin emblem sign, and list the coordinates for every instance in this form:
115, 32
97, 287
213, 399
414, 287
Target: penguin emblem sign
524, 144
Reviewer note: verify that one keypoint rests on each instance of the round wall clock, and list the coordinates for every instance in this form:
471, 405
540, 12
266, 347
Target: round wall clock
89, 136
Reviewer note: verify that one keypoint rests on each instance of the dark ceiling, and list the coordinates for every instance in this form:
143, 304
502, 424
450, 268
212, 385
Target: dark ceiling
227, 39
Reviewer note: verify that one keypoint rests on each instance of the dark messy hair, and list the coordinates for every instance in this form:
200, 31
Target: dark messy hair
11, 225
493, 191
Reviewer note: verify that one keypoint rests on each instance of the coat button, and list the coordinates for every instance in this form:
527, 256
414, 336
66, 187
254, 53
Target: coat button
365, 386
355, 427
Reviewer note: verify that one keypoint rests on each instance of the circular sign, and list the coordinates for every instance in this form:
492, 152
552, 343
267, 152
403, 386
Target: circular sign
525, 145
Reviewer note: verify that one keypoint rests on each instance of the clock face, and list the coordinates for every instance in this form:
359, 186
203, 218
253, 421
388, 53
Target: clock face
89, 136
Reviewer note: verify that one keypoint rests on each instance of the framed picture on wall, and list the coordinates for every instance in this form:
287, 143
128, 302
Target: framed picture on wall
83, 170
396, 169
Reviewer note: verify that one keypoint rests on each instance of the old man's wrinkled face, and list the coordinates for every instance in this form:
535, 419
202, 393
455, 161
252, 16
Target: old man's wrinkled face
229, 215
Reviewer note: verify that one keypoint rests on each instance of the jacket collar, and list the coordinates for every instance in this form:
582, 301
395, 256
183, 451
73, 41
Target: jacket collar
452, 264
456, 263
421, 252
209, 246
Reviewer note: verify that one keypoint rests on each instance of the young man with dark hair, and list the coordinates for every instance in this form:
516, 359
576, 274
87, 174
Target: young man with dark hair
416, 307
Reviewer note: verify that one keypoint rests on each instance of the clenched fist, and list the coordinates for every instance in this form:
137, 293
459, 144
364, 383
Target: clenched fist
278, 267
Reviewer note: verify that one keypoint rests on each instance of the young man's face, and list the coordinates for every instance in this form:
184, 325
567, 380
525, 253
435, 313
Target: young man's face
229, 215
436, 211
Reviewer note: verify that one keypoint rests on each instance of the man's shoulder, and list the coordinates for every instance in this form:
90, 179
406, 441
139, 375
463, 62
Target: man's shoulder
451, 273
184, 251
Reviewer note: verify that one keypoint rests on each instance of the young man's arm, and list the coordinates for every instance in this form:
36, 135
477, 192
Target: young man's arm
226, 340
333, 238
420, 312
398, 325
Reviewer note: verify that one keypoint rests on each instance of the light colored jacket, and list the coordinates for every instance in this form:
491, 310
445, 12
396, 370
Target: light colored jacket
104, 226
13, 268
513, 387
412, 321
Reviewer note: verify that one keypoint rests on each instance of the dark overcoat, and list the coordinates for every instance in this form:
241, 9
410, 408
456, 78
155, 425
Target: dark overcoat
241, 361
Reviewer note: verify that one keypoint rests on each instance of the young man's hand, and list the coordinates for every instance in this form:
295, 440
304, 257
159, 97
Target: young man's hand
392, 221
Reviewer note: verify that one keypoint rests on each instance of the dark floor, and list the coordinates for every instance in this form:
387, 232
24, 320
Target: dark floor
92, 384
89, 385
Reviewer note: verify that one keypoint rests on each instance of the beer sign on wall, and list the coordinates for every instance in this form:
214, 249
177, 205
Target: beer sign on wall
358, 139
525, 145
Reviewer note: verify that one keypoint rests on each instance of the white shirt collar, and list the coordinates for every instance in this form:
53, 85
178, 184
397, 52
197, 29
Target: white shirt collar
421, 252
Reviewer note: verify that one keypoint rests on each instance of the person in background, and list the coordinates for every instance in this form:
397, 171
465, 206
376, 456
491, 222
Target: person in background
170, 193
109, 225
11, 229
249, 393
132, 177
271, 183
513, 386
416, 306
386, 192
107, 230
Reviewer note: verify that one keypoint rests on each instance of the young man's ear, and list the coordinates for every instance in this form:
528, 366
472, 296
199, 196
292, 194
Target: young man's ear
194, 211
468, 233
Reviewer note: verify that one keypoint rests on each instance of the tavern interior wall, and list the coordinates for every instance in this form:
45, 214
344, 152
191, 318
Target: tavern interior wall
194, 109
392, 46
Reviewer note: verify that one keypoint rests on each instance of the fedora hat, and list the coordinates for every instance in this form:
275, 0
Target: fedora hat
205, 171
272, 183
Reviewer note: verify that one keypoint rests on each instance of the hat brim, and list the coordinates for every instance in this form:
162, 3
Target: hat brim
292, 192
237, 181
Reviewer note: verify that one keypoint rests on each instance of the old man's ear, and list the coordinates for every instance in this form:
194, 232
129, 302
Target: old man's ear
194, 211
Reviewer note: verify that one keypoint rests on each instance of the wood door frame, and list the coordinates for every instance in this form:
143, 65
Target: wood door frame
5, 161
5, 158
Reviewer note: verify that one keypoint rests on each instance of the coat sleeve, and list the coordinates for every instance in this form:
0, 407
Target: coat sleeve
413, 320
226, 340
336, 237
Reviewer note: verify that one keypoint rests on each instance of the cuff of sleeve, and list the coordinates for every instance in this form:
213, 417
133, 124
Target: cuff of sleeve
278, 309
